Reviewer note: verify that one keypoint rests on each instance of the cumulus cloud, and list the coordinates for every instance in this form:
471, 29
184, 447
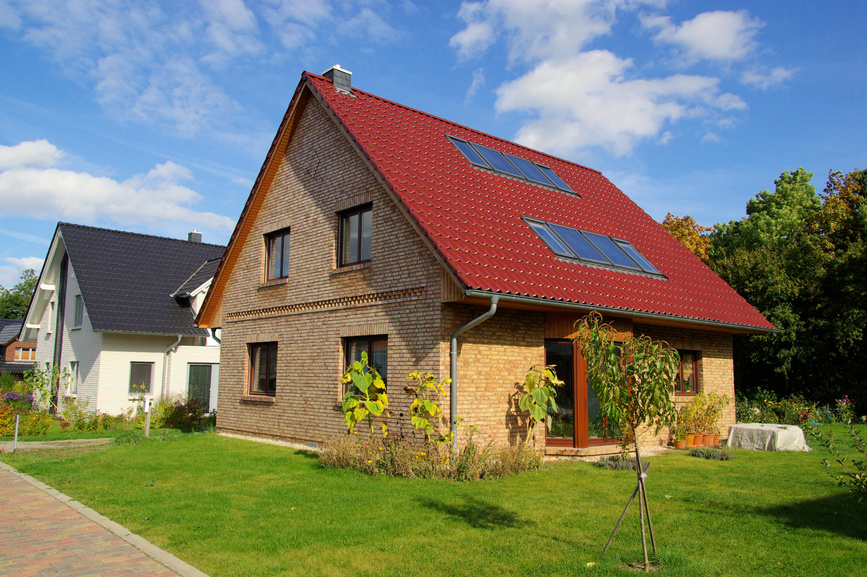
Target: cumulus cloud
767, 80
717, 35
152, 200
33, 154
591, 100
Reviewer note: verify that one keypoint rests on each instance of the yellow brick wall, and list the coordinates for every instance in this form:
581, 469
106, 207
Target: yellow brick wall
396, 294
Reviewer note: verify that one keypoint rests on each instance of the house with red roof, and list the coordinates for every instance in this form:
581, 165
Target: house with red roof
374, 227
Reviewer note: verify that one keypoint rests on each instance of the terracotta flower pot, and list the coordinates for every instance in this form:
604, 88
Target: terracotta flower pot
690, 441
679, 444
707, 440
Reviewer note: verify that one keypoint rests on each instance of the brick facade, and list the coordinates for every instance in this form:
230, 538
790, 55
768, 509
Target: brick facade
400, 294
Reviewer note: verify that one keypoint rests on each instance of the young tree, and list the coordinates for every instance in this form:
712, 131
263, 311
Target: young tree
634, 382
14, 303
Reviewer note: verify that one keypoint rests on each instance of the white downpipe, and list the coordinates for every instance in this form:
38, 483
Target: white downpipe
453, 391
165, 364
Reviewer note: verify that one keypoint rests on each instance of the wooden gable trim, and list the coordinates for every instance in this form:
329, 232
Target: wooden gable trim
211, 313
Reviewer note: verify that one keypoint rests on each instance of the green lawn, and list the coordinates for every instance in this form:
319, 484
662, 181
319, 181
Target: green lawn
56, 433
237, 508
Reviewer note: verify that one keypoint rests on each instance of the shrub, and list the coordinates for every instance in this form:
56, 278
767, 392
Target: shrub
7, 382
619, 463
21, 402
186, 415
7, 418
711, 453
403, 458
34, 423
845, 409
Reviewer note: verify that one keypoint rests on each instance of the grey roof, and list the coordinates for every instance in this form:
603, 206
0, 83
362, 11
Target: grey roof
127, 279
15, 368
9, 329
198, 278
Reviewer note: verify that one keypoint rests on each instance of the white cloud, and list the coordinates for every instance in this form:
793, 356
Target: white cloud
9, 16
590, 100
155, 200
33, 154
231, 29
710, 137
766, 81
718, 35
478, 82
11, 275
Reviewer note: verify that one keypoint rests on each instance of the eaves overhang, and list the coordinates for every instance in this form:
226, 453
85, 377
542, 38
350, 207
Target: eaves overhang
538, 303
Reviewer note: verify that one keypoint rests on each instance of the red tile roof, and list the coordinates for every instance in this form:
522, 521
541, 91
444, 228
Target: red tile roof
473, 218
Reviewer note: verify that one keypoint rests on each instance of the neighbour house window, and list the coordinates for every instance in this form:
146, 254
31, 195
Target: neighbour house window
199, 384
277, 246
25, 354
356, 228
79, 312
377, 354
140, 377
263, 369
72, 388
687, 378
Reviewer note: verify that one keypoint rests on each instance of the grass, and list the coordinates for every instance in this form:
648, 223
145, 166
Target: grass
55, 433
232, 507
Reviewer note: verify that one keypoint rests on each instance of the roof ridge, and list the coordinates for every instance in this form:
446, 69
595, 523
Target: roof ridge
139, 234
459, 125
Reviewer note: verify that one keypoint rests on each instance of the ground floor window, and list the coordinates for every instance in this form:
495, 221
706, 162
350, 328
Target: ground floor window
140, 377
687, 378
199, 384
263, 369
72, 388
377, 354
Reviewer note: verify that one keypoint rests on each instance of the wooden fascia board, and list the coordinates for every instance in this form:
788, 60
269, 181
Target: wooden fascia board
210, 315
441, 259
41, 297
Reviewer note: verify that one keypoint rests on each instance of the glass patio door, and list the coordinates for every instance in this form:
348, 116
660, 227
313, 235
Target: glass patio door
576, 422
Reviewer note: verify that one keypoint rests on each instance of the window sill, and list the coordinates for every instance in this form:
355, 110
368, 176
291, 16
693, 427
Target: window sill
273, 283
78, 328
676, 394
351, 268
258, 400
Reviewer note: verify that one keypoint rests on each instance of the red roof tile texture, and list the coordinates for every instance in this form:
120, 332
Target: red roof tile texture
473, 217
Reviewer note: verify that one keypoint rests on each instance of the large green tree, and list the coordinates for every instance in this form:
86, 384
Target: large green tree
14, 302
799, 258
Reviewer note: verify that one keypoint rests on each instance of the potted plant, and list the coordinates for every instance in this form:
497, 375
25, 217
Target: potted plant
713, 405
679, 434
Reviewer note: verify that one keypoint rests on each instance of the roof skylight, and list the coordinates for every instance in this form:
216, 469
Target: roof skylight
592, 248
509, 164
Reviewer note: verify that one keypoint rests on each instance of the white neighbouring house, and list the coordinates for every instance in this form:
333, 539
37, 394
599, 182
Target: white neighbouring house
117, 311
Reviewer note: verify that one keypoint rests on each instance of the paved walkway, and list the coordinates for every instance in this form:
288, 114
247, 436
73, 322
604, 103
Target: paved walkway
44, 532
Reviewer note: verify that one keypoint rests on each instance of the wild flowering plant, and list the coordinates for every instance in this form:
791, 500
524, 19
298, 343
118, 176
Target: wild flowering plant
845, 409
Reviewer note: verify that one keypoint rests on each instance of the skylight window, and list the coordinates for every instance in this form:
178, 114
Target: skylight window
592, 248
510, 165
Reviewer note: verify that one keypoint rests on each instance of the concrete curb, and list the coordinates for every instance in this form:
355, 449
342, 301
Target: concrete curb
163, 557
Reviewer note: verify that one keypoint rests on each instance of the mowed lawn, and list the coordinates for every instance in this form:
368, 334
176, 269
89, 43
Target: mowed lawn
238, 508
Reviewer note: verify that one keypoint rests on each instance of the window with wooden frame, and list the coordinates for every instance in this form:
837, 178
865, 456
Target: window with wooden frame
377, 354
25, 354
263, 369
277, 254
688, 375
356, 233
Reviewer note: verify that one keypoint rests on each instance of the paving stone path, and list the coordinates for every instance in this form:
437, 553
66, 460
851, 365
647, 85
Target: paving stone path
45, 533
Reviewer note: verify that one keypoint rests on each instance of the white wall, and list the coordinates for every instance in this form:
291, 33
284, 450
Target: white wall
82, 345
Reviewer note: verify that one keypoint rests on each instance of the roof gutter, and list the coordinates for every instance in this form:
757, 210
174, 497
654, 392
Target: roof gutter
165, 362
453, 390
635, 314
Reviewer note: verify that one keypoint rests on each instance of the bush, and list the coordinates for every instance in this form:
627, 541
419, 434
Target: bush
711, 453
407, 458
20, 402
7, 382
619, 463
29, 423
187, 415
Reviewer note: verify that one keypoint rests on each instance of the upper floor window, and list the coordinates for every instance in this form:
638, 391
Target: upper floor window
277, 247
263, 369
25, 354
72, 386
356, 231
78, 318
687, 378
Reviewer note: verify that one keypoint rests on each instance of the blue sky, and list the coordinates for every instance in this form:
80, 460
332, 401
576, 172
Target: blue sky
155, 117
